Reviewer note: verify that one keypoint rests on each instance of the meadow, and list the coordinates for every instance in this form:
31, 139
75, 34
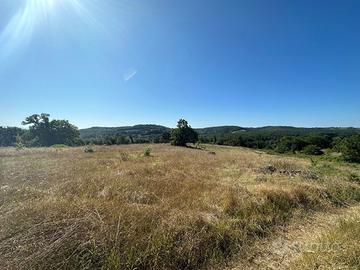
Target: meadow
158, 206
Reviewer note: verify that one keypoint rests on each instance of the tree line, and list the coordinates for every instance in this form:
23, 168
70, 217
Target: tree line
45, 132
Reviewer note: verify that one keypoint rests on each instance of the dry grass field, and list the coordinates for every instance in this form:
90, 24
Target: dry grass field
337, 248
177, 208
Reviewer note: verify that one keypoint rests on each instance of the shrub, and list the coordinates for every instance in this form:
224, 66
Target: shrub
312, 150
89, 149
19, 143
147, 152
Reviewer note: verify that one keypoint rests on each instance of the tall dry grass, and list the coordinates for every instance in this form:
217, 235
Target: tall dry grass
177, 208
338, 248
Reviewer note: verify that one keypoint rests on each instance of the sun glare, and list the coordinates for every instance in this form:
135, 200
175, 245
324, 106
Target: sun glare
34, 13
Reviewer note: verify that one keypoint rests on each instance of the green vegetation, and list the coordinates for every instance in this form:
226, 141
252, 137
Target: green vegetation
307, 141
147, 152
350, 148
8, 135
261, 138
183, 134
89, 148
290, 144
126, 135
43, 132
312, 150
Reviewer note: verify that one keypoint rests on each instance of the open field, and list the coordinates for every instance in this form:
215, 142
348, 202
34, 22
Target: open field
179, 208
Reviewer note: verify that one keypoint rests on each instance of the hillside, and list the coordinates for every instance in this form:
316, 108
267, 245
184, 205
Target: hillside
151, 132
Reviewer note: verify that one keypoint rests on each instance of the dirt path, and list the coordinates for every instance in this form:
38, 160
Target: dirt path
289, 242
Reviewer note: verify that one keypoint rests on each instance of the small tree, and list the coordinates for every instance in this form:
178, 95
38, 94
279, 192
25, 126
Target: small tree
183, 134
19, 143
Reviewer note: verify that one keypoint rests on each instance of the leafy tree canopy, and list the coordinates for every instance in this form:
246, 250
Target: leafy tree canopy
290, 144
350, 148
183, 134
312, 150
8, 135
44, 132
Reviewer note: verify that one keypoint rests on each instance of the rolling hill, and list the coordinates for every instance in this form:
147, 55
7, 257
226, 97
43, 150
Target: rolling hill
152, 131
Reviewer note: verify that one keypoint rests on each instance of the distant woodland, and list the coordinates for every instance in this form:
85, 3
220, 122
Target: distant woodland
283, 139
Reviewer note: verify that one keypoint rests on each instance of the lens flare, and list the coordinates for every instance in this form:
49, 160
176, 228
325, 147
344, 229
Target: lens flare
33, 13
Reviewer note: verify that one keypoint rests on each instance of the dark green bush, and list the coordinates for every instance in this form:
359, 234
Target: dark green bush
312, 150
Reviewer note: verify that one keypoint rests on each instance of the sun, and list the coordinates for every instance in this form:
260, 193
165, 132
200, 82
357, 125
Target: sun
34, 13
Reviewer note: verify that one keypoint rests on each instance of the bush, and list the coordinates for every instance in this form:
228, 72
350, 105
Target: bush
312, 150
147, 152
19, 143
350, 148
89, 149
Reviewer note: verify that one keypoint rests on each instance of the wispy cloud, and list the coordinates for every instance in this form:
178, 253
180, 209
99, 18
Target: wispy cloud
129, 74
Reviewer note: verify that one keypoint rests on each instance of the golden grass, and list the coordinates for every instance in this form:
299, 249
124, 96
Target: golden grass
337, 249
179, 208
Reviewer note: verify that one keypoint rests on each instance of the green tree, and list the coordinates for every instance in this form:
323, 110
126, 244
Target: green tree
350, 148
165, 137
312, 150
8, 135
321, 141
43, 132
122, 140
183, 134
290, 144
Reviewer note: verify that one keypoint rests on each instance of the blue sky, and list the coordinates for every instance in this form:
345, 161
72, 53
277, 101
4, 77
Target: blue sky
122, 62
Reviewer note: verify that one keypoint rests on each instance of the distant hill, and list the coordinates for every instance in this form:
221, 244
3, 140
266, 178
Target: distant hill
299, 131
209, 131
260, 137
149, 132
